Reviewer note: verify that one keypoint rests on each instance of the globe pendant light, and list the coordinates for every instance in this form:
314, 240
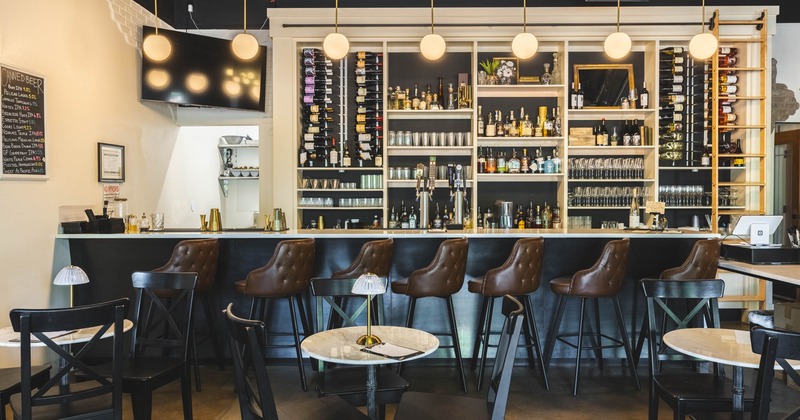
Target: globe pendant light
704, 44
156, 47
432, 45
244, 45
336, 45
618, 44
524, 44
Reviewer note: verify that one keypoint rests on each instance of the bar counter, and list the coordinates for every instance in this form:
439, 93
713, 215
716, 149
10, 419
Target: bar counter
109, 260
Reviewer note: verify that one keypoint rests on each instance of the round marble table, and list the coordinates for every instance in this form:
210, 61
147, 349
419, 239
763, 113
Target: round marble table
339, 346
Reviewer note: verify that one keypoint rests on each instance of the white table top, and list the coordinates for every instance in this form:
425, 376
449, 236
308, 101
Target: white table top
339, 345
787, 273
10, 338
720, 345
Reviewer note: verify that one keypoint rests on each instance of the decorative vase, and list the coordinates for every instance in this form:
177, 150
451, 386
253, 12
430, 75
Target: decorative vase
492, 80
481, 77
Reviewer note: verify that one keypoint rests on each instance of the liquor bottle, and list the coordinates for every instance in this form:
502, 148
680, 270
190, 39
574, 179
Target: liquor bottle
440, 92
644, 97
557, 122
491, 163
501, 128
437, 218
512, 129
415, 99
524, 162
346, 161
404, 218
537, 218
481, 161
491, 128
547, 217
514, 164
580, 97
556, 216
378, 153
556, 161
573, 97
520, 222
738, 161
333, 155
412, 219
633, 214
527, 127
705, 160
636, 135
502, 165
481, 127
604, 133
548, 126
479, 221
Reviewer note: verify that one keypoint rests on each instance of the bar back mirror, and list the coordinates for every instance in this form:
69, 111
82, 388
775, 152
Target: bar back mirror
604, 85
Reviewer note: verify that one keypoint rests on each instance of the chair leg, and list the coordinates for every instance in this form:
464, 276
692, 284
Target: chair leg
303, 315
142, 403
579, 347
534, 331
412, 303
551, 336
303, 383
487, 331
625, 343
476, 348
456, 343
527, 331
195, 359
652, 410
598, 352
643, 333
212, 320
186, 394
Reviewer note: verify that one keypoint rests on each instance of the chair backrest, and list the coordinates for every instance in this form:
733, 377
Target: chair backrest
287, 273
162, 324
497, 397
444, 276
248, 345
195, 256
329, 289
39, 322
373, 257
701, 264
521, 273
773, 346
607, 275
701, 296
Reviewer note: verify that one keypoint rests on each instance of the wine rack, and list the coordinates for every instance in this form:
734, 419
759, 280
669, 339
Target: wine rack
319, 116
368, 122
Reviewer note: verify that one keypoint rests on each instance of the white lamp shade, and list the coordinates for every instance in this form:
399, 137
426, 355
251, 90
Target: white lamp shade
245, 46
156, 47
617, 45
432, 46
71, 275
703, 46
524, 45
369, 284
336, 46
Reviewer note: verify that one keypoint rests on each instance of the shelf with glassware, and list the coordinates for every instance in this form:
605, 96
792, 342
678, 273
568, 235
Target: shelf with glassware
239, 162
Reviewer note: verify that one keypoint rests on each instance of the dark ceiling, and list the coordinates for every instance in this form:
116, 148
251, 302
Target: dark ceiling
227, 14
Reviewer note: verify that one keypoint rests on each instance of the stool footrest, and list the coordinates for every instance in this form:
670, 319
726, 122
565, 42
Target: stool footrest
616, 341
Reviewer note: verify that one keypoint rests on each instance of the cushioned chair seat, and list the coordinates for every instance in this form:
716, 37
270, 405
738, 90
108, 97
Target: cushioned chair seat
475, 285
417, 406
400, 286
239, 286
561, 285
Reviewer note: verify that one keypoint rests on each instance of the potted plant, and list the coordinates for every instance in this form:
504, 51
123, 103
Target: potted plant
490, 67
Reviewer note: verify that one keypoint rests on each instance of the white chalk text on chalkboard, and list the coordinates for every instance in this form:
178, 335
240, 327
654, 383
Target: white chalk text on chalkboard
22, 121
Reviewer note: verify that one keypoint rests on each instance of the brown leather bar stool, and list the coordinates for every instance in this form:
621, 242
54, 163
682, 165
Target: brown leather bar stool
286, 275
442, 278
373, 257
700, 264
198, 256
603, 280
518, 276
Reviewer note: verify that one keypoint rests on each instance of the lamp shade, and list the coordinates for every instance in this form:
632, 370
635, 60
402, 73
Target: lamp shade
336, 45
432, 46
369, 284
245, 46
617, 45
524, 45
71, 275
703, 46
157, 47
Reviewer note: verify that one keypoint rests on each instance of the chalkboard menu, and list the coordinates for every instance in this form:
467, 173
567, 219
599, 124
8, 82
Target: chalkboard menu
22, 120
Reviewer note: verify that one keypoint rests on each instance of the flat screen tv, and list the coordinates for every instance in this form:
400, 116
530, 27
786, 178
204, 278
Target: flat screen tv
203, 71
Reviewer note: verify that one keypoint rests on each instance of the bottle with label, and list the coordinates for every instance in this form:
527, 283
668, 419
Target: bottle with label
302, 157
491, 163
520, 222
633, 214
738, 161
524, 163
144, 223
346, 161
479, 219
604, 139
404, 221
437, 218
527, 127
333, 155
579, 100
644, 97
502, 166
412, 219
573, 97
556, 161
705, 160
481, 127
636, 136
491, 128
481, 161
514, 164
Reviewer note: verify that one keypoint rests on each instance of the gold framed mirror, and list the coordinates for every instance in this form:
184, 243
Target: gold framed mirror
604, 85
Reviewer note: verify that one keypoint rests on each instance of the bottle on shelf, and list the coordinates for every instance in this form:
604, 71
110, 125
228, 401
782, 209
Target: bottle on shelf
573, 97
579, 99
705, 159
633, 214
524, 162
481, 161
333, 155
412, 219
514, 164
644, 97
481, 127
502, 166
346, 160
738, 161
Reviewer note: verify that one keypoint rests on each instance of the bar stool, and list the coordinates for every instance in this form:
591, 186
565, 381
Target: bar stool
700, 264
442, 278
518, 276
603, 280
198, 256
286, 275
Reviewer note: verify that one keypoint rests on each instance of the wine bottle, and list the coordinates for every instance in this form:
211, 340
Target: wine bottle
636, 135
604, 133
302, 154
346, 160
573, 98
644, 97
580, 97
633, 214
481, 128
481, 161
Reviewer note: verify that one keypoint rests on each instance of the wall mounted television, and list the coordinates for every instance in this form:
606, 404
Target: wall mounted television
203, 71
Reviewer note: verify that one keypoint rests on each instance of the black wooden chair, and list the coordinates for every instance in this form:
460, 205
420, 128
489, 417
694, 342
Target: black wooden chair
685, 391
350, 382
773, 346
248, 345
99, 396
10, 383
419, 406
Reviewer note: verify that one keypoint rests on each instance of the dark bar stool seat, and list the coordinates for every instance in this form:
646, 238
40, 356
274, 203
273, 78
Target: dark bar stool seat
198, 256
603, 280
286, 275
442, 278
518, 276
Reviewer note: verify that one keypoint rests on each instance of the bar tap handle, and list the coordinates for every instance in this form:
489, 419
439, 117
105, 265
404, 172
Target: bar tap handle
432, 175
458, 178
418, 174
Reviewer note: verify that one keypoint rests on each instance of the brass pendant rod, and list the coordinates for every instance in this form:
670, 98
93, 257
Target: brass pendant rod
618, 7
432, 16
336, 19
524, 15
156, 12
245, 16
703, 18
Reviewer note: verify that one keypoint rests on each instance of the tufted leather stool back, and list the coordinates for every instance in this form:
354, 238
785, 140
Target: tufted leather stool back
444, 276
521, 272
701, 264
287, 273
606, 276
195, 256
374, 257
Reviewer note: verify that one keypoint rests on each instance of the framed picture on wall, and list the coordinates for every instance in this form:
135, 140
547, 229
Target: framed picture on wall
110, 163
507, 70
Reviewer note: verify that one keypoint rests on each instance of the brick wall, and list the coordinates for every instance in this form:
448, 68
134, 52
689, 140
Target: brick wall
784, 101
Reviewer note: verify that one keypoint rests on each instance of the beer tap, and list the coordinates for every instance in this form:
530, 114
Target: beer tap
426, 183
455, 177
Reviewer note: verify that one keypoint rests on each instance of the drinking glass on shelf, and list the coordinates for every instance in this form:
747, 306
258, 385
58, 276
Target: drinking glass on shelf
639, 165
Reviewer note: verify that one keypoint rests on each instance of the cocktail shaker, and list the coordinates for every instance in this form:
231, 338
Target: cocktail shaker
215, 221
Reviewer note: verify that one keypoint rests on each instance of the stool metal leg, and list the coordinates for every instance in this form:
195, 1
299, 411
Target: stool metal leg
487, 331
579, 348
551, 336
534, 331
210, 312
476, 348
624, 336
297, 344
409, 320
456, 343
598, 351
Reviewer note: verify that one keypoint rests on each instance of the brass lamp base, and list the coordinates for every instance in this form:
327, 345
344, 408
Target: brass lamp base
368, 340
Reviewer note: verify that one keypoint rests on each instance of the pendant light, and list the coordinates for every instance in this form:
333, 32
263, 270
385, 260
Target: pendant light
244, 45
618, 44
704, 44
156, 47
524, 44
336, 45
432, 45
